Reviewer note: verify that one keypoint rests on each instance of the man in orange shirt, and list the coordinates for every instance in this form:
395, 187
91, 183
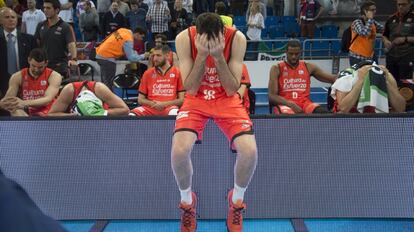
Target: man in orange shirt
211, 59
115, 46
161, 91
289, 83
32, 90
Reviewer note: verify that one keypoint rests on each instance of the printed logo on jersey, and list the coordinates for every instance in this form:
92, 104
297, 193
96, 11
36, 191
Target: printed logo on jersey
301, 72
182, 114
172, 75
43, 82
209, 94
296, 83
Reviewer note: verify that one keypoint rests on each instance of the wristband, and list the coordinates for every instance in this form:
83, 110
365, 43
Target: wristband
105, 113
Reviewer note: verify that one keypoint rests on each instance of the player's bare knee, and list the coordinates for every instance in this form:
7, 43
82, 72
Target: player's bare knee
181, 150
248, 152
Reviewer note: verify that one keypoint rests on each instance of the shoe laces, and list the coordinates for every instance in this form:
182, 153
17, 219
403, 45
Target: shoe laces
188, 216
237, 215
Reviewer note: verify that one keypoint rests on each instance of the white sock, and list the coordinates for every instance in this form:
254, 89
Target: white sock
238, 193
186, 196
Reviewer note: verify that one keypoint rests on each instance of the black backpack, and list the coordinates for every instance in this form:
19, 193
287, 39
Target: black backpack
347, 39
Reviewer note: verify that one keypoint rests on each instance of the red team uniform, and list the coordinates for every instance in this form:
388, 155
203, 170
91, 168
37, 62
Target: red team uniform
294, 85
77, 88
158, 87
211, 100
32, 89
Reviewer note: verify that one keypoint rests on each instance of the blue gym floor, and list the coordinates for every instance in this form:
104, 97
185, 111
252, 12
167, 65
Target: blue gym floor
271, 225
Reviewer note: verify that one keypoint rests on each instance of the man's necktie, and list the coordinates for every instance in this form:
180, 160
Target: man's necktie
11, 54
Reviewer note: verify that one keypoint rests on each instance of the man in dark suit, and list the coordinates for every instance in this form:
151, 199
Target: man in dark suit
19, 213
14, 46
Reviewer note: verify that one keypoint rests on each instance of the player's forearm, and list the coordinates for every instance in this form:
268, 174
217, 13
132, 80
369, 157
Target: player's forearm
227, 79
145, 102
397, 101
193, 81
278, 100
59, 114
351, 99
176, 102
38, 102
327, 78
118, 111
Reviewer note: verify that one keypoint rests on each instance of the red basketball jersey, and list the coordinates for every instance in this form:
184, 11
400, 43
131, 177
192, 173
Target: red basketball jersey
294, 83
210, 87
34, 88
159, 87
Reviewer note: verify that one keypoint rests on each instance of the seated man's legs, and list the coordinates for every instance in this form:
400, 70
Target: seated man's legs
307, 106
281, 109
148, 111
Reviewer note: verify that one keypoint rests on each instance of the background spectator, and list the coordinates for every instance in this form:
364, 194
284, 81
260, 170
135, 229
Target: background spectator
136, 17
262, 8
66, 11
179, 18
112, 20
159, 16
31, 18
278, 7
142, 5
123, 7
399, 41
220, 9
57, 38
89, 23
103, 6
80, 7
255, 23
364, 32
14, 47
310, 11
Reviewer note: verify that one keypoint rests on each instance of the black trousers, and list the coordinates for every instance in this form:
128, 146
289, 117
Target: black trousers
401, 67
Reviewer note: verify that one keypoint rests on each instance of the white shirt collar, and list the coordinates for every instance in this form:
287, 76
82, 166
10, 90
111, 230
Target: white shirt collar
14, 33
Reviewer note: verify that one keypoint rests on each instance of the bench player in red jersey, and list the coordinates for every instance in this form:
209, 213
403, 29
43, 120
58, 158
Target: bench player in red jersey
211, 58
88, 98
161, 91
290, 80
32, 90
